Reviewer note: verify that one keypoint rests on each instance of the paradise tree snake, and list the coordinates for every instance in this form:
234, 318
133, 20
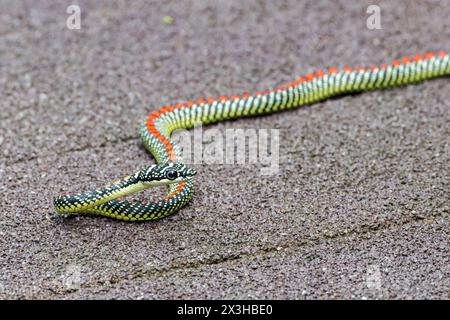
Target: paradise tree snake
170, 169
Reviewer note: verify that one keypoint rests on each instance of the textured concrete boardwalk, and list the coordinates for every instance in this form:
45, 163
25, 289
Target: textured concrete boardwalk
359, 208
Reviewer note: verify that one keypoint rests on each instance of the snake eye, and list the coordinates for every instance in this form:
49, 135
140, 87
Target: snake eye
171, 174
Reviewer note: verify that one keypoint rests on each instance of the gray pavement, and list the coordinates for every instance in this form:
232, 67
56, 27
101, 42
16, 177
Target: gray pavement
359, 208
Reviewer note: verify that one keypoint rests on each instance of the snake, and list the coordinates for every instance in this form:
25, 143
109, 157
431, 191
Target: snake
170, 170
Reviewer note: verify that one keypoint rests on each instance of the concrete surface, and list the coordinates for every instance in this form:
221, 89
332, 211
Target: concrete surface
358, 210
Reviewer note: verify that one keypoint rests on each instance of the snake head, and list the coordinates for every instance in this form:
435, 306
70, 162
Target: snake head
167, 173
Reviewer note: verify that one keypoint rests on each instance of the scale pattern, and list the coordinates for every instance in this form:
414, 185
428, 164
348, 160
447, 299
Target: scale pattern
320, 85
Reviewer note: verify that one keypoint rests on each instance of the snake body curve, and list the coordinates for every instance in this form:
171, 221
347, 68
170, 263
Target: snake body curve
156, 131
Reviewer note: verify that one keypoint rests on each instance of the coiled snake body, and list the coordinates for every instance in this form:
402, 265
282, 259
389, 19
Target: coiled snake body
170, 169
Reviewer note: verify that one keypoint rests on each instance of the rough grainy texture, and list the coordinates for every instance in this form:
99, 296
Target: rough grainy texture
359, 208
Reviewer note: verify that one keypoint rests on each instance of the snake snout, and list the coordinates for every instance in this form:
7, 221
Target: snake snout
191, 172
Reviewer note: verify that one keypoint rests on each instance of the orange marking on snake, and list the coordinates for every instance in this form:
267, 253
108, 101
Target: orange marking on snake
418, 58
320, 73
333, 70
178, 189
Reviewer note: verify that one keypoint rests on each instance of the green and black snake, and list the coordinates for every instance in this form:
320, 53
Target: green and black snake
170, 169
